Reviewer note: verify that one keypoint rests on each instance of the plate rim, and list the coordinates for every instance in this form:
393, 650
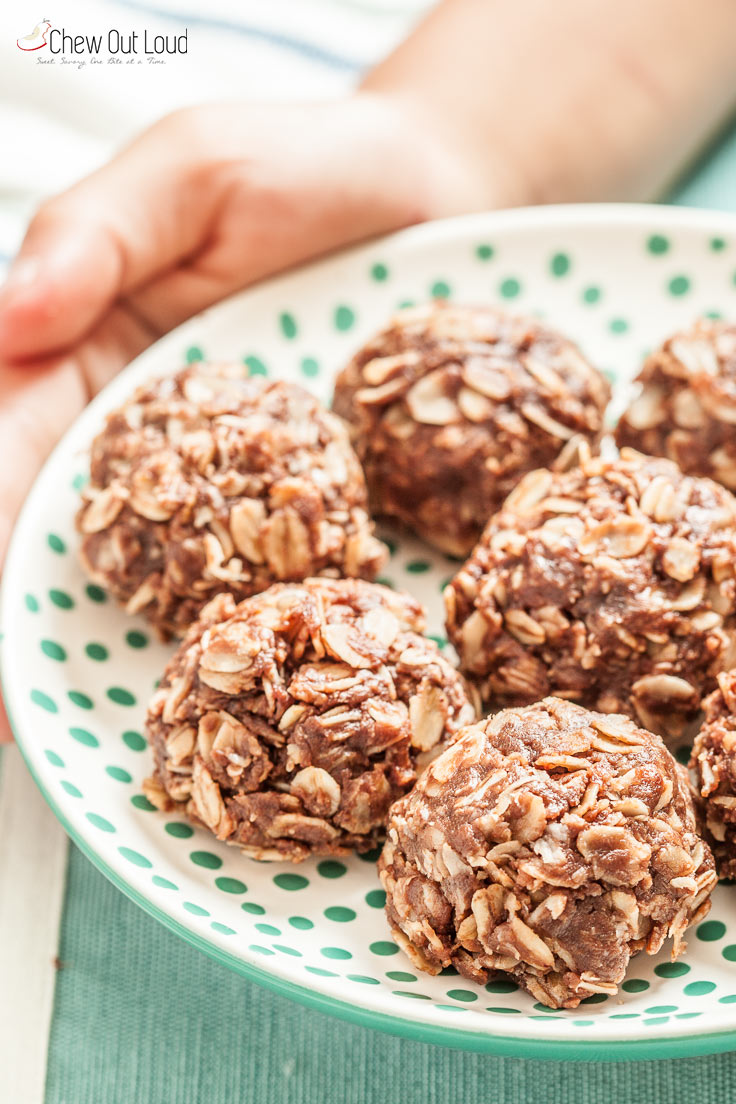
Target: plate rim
489, 1042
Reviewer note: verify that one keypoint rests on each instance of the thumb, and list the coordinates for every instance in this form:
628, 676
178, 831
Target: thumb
65, 277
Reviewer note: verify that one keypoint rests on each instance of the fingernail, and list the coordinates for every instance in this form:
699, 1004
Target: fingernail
22, 275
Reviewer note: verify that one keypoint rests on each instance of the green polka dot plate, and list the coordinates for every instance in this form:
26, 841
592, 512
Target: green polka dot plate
77, 672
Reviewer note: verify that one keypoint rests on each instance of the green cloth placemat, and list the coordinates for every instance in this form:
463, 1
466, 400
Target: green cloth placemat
141, 1017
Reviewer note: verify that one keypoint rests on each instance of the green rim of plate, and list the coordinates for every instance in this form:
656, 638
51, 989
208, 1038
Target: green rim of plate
456, 1037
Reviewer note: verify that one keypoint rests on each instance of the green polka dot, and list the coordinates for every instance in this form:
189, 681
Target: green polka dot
98, 652
301, 923
379, 272
196, 910
484, 252
260, 950
76, 697
362, 979
44, 701
136, 639
543, 1008
729, 952
407, 993
340, 914
679, 285
135, 857
319, 972
449, 971
163, 883
56, 544
371, 856
385, 581
714, 314
194, 354
710, 931
70, 789
501, 986
31, 603
635, 985
206, 859
376, 898
418, 567
583, 1023
344, 318
82, 736
255, 365
624, 1016
61, 599
53, 650
509, 288
687, 1015
287, 950
682, 755
291, 882
440, 641
464, 995
140, 801
400, 975
288, 325
335, 952
80, 481
660, 1009
119, 774
95, 593
405, 304
268, 929
657, 244
134, 741
730, 999
440, 290
596, 998
656, 1021
699, 988
310, 367
178, 830
253, 908
99, 822
671, 969
383, 947
618, 325
331, 868
560, 264
231, 885
717, 244
54, 759
504, 1011
591, 295
120, 696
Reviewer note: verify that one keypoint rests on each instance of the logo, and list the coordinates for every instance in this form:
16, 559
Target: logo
36, 40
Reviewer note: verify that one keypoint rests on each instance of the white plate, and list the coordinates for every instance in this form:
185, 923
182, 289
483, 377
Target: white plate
77, 672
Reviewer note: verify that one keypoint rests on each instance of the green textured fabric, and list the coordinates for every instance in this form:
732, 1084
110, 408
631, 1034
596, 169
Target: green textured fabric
139, 1016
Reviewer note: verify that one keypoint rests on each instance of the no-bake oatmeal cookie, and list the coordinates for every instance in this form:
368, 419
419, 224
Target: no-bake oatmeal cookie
451, 405
549, 842
713, 762
211, 480
288, 724
687, 406
611, 584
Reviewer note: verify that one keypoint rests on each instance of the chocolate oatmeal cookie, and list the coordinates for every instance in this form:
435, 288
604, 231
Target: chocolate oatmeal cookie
211, 480
687, 406
713, 762
551, 843
611, 584
449, 406
288, 724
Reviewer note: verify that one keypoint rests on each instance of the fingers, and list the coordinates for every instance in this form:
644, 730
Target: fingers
115, 230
